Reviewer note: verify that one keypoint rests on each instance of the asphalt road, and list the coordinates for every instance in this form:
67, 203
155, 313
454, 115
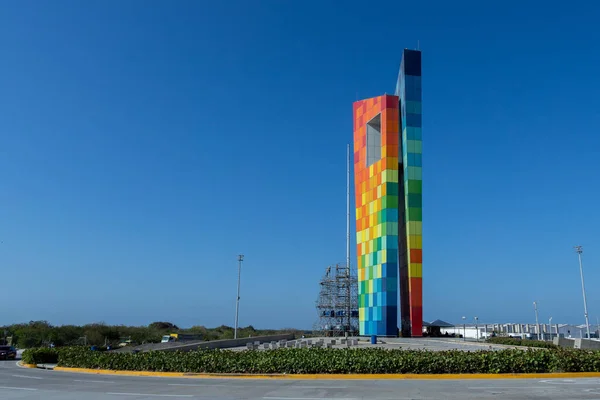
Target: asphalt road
22, 383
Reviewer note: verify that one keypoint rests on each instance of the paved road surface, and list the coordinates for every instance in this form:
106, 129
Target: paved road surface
22, 384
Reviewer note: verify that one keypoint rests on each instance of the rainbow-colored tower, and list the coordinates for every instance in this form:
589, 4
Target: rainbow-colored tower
388, 183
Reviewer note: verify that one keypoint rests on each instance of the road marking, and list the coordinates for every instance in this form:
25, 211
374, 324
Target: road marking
27, 377
318, 387
83, 380
508, 387
16, 388
150, 395
306, 398
201, 385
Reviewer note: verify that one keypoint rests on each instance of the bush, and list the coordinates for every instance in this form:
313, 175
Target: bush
337, 361
40, 356
521, 342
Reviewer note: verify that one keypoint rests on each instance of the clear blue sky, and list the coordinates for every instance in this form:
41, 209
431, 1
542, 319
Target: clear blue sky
144, 144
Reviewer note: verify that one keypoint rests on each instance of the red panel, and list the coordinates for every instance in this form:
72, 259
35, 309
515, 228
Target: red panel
416, 256
416, 321
391, 101
416, 292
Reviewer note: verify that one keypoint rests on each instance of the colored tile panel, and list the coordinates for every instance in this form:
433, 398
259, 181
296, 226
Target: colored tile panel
388, 192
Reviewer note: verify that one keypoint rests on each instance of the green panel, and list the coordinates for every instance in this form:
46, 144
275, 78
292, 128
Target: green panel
415, 214
391, 189
415, 173
415, 200
415, 146
414, 186
391, 228
389, 201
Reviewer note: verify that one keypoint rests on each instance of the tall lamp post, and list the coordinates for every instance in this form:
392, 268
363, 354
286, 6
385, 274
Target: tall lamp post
550, 327
237, 303
579, 250
464, 328
537, 323
477, 328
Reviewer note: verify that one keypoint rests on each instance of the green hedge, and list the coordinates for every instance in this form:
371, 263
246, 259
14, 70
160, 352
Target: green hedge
40, 356
341, 361
521, 342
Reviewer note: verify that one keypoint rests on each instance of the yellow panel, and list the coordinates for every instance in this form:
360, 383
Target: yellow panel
361, 274
358, 213
379, 191
416, 270
378, 271
371, 170
385, 176
379, 233
370, 290
415, 241
363, 198
367, 235
415, 228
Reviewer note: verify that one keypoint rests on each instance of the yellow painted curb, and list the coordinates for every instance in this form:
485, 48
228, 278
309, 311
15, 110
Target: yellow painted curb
554, 375
27, 365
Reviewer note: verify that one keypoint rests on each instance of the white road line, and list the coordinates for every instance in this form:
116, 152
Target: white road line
318, 387
509, 387
83, 380
150, 395
26, 377
307, 398
16, 388
202, 385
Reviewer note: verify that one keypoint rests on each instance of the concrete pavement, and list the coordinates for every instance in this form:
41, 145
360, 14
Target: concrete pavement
22, 383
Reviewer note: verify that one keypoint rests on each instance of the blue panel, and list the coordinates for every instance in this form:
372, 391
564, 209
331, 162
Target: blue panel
413, 133
392, 214
392, 254
391, 271
413, 120
414, 160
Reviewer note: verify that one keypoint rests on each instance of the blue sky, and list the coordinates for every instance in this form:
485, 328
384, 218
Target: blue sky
144, 144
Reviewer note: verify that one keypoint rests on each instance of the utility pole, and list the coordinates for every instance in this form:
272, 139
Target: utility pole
477, 328
237, 303
464, 329
579, 250
537, 324
550, 327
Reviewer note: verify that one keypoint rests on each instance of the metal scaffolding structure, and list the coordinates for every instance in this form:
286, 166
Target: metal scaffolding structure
337, 304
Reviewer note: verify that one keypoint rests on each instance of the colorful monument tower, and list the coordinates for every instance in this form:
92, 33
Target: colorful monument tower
388, 187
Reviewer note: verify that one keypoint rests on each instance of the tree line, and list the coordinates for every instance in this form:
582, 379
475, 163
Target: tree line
44, 334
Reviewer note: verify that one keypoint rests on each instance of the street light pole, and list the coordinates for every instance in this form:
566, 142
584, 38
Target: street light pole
579, 250
550, 327
537, 323
237, 303
464, 329
477, 328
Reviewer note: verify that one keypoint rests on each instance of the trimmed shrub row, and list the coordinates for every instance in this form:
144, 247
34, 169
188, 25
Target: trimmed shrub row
521, 342
40, 356
326, 361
